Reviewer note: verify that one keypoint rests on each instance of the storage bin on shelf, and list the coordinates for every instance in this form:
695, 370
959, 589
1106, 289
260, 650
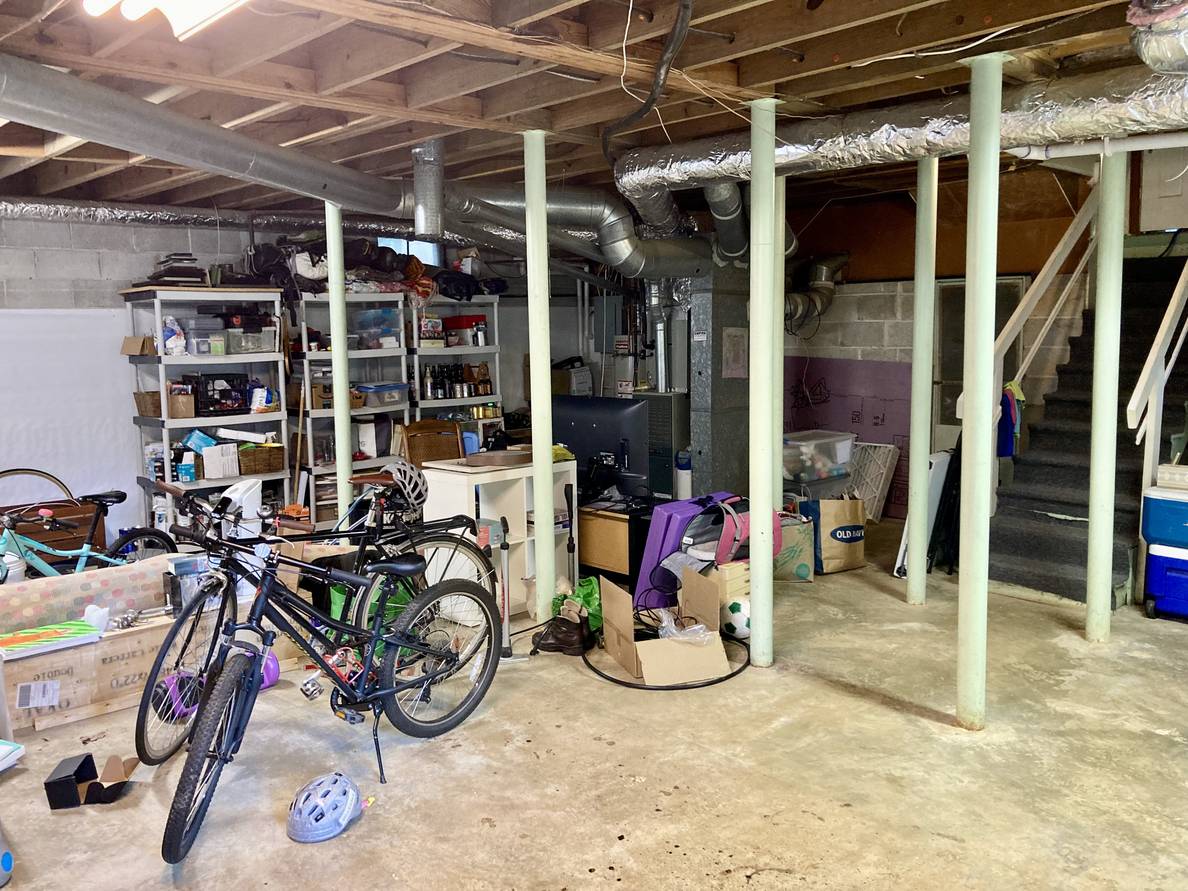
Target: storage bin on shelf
817, 455
241, 341
261, 459
219, 394
385, 394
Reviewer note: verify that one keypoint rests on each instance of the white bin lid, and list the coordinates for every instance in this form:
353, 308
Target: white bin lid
1162, 493
1168, 551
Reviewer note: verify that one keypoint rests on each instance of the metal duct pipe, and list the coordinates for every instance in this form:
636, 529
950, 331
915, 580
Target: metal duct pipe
42, 97
512, 244
801, 306
466, 206
1090, 106
659, 301
1160, 36
428, 187
726, 204
624, 249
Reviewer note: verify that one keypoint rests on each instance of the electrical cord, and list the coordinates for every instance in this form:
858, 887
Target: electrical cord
672, 46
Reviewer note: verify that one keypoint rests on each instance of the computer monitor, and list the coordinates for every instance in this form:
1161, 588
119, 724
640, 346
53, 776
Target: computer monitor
592, 426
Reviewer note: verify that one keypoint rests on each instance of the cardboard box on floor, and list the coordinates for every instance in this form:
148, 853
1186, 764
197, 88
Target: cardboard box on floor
662, 662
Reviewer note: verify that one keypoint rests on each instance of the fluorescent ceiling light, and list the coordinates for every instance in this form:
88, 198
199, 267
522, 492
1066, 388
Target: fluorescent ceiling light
186, 17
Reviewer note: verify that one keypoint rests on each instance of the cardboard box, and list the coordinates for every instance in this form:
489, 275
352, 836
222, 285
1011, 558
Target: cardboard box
662, 662
573, 381
220, 462
75, 781
794, 562
138, 346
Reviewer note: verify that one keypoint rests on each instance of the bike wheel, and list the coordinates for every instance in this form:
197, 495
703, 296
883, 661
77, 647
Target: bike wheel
447, 557
137, 545
181, 672
459, 620
217, 734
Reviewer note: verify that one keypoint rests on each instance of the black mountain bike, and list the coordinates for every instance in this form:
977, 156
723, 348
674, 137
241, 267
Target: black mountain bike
425, 663
173, 688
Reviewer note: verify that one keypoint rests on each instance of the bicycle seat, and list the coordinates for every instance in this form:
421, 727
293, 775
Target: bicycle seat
403, 566
373, 479
108, 499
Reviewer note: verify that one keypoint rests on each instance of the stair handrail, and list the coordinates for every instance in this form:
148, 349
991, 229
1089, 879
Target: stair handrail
1156, 368
1073, 279
1040, 286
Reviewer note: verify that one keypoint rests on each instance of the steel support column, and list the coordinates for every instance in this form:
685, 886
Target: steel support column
762, 437
1107, 326
977, 427
923, 338
540, 380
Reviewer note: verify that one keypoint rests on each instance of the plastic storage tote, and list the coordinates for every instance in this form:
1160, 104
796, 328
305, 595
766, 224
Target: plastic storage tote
1165, 517
817, 455
394, 394
1167, 581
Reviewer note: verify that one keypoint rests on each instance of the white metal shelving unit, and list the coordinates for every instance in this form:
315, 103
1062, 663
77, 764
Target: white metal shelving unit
487, 305
147, 308
367, 366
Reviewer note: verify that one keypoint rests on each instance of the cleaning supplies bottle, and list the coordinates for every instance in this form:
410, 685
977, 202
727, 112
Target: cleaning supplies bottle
5, 860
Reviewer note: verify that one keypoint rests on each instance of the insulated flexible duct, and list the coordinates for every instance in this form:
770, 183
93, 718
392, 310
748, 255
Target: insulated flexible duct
429, 187
1160, 34
1091, 106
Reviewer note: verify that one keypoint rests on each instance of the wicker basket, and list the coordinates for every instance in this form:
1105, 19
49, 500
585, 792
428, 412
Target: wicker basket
261, 459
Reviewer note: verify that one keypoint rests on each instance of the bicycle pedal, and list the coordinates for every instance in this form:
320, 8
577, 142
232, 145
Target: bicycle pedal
351, 717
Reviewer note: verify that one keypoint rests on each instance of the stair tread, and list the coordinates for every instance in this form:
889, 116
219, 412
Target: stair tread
1051, 458
1063, 495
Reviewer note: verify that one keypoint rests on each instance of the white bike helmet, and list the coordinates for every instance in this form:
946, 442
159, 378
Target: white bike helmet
409, 483
324, 808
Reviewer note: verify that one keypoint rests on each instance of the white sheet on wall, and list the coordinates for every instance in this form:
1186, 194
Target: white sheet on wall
66, 406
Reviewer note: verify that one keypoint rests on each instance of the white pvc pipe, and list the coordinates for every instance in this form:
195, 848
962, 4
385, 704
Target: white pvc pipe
923, 348
540, 379
1103, 433
340, 366
762, 438
977, 426
1095, 147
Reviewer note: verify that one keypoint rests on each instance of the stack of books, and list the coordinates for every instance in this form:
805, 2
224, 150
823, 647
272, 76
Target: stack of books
178, 269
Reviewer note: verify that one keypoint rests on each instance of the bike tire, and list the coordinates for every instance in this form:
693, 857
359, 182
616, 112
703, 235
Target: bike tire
156, 537
196, 787
438, 549
429, 603
204, 674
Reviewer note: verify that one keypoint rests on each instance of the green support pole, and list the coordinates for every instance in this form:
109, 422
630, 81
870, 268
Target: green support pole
340, 366
762, 437
1107, 325
977, 427
923, 337
539, 370
777, 363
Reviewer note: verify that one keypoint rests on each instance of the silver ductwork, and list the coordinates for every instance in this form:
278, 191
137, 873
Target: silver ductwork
730, 221
659, 310
428, 161
1104, 104
1160, 35
801, 307
631, 255
42, 97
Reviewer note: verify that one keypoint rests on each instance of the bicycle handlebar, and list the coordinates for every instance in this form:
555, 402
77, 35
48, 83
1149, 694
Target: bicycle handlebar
186, 533
167, 489
296, 525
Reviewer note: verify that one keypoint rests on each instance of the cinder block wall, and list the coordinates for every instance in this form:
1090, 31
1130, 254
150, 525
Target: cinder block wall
873, 321
83, 266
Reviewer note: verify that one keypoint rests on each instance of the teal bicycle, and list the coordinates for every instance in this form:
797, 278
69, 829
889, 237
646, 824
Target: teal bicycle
35, 558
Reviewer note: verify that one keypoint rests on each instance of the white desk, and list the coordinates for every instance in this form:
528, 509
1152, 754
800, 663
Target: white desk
493, 492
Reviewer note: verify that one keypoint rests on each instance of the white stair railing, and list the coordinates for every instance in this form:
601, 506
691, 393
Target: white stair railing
1013, 329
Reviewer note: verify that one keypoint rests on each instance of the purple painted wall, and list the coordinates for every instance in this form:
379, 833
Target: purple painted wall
871, 399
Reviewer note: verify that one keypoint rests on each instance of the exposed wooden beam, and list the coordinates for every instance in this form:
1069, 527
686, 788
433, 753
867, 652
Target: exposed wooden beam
516, 13
355, 55
19, 141
951, 22
581, 58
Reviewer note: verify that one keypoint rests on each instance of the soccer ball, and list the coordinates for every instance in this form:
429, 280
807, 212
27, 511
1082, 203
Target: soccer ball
736, 618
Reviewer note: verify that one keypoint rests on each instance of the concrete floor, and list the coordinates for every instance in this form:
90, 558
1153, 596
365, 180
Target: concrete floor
838, 768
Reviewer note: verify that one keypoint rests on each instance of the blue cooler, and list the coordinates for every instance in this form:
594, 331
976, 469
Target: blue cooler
1167, 581
1165, 517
